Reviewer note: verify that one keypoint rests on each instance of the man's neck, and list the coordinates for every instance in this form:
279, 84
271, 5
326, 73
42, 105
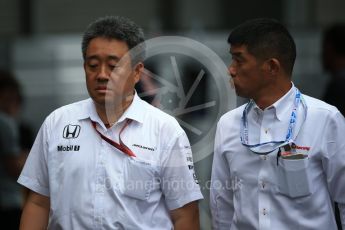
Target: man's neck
271, 95
111, 114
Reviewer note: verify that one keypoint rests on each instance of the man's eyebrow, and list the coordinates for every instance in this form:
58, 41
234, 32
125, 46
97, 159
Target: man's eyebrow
237, 54
113, 57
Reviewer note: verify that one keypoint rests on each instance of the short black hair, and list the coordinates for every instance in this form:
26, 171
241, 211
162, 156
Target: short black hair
266, 38
335, 36
115, 27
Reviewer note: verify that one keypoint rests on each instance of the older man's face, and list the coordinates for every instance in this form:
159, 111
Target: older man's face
108, 70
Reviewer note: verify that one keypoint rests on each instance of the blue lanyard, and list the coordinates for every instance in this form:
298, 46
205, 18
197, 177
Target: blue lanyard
267, 147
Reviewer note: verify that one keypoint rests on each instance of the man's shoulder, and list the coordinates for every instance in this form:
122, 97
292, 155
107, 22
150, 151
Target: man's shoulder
70, 111
319, 106
159, 117
233, 115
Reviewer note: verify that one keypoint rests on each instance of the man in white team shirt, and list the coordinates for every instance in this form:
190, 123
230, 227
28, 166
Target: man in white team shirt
279, 160
112, 161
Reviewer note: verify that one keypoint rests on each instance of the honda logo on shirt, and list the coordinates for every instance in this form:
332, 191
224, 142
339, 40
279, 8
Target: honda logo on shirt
71, 131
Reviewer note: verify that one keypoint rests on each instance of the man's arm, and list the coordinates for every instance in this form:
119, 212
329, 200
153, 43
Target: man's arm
186, 217
221, 196
333, 161
35, 213
179, 183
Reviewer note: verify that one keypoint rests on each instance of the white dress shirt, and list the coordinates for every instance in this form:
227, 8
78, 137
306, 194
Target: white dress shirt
251, 191
93, 185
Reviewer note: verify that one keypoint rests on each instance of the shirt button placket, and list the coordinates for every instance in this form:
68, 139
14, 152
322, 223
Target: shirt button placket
264, 211
99, 187
263, 195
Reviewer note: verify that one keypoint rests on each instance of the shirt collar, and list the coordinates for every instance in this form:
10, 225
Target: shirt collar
282, 107
134, 112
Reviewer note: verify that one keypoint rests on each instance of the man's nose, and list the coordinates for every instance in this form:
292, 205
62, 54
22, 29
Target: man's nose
231, 70
103, 73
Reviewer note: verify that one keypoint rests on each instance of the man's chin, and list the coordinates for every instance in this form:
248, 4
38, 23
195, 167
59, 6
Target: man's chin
238, 92
105, 101
241, 94
112, 100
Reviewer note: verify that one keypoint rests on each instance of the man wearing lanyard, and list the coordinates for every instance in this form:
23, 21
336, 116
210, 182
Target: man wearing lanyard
279, 160
112, 161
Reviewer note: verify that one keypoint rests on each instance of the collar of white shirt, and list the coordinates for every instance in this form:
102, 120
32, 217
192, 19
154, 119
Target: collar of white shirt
282, 107
134, 112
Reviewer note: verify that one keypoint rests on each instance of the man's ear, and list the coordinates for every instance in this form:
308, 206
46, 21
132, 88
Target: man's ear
272, 66
139, 68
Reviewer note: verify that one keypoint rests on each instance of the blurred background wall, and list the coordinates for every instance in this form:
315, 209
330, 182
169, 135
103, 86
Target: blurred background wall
40, 42
40, 39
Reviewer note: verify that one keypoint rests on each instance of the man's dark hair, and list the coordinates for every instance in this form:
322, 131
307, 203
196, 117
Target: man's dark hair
335, 36
266, 38
116, 27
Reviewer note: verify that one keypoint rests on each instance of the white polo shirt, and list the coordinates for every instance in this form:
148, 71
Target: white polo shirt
93, 185
251, 191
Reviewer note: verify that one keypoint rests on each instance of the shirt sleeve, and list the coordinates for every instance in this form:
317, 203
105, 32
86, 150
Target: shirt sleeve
178, 180
221, 197
34, 175
334, 160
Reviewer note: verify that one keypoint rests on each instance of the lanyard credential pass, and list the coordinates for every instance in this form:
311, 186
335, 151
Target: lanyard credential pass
122, 147
267, 147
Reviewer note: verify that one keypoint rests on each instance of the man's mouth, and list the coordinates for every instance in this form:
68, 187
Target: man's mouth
103, 89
